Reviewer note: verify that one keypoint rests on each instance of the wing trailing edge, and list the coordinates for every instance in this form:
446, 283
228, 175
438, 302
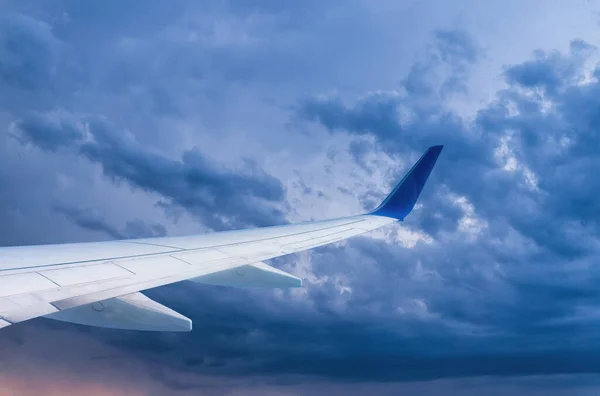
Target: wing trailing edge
130, 312
137, 312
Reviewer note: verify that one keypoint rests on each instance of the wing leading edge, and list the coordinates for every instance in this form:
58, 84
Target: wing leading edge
100, 284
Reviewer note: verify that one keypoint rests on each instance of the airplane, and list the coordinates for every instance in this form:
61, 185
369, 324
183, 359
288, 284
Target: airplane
101, 283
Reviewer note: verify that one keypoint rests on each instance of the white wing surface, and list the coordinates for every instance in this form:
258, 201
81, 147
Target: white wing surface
99, 283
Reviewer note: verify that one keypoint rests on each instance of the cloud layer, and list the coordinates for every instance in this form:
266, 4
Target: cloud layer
179, 119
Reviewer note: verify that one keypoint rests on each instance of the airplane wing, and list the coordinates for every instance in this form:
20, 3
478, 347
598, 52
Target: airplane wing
100, 284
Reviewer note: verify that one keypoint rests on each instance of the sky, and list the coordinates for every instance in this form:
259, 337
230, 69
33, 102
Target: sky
124, 119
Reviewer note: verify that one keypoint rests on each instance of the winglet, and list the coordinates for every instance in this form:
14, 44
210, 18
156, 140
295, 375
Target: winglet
404, 196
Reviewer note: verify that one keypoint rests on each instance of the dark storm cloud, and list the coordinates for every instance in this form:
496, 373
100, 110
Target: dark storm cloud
510, 284
473, 151
550, 71
36, 65
444, 70
29, 52
140, 229
89, 219
456, 47
94, 220
51, 131
418, 118
507, 287
377, 112
238, 333
379, 115
221, 198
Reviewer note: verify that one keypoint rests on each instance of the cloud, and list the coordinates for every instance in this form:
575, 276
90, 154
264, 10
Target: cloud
102, 369
221, 198
93, 220
493, 274
51, 131
444, 71
550, 71
376, 112
415, 116
29, 53
518, 178
401, 126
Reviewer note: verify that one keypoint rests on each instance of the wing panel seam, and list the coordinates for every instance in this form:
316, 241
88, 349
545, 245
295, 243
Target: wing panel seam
128, 270
319, 237
180, 259
44, 276
154, 244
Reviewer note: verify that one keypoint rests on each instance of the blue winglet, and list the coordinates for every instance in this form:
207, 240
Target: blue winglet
404, 196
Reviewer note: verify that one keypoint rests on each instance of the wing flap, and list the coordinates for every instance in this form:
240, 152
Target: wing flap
251, 275
130, 312
29, 312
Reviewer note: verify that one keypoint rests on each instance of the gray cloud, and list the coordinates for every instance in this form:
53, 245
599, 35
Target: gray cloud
193, 182
29, 53
550, 71
380, 115
506, 287
445, 69
93, 220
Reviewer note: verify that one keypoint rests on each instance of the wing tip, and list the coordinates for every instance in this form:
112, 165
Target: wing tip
400, 202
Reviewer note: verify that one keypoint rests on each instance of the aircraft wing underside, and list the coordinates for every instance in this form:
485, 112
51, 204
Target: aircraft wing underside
100, 283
